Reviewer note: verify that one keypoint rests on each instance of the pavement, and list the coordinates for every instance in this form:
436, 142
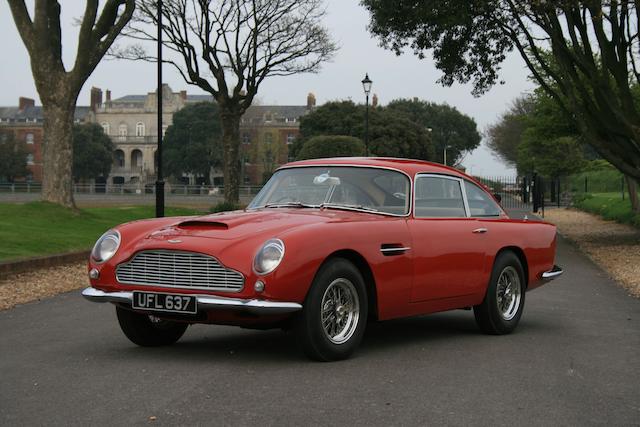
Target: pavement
574, 360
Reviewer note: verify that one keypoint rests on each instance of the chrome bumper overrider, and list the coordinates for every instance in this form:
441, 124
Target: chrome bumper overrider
205, 302
554, 273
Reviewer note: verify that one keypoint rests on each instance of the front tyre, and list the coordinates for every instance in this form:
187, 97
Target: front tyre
334, 315
503, 303
149, 331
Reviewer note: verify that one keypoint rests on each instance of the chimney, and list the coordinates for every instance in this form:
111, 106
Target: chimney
183, 95
25, 103
311, 101
108, 94
96, 98
374, 101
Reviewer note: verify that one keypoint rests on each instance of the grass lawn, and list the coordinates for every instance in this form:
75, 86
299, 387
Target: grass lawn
609, 206
38, 228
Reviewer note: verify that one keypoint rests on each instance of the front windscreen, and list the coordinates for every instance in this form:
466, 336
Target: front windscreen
360, 188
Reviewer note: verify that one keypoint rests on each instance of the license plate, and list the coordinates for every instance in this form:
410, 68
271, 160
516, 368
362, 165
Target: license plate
165, 302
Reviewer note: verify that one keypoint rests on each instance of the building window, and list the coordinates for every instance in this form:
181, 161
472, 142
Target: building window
139, 129
29, 159
106, 128
118, 158
29, 138
290, 138
122, 132
290, 120
136, 159
268, 117
245, 138
268, 137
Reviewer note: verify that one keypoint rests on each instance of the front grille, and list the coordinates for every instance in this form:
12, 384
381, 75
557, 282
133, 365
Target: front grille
179, 270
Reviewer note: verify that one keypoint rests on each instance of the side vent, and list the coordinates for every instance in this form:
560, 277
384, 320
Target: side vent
391, 249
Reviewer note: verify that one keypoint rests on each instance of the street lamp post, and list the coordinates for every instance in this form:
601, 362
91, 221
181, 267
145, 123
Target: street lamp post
366, 85
159, 180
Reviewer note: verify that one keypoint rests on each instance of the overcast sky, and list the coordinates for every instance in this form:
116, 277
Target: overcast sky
393, 77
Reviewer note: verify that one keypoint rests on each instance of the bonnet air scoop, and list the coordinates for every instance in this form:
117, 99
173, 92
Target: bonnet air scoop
203, 225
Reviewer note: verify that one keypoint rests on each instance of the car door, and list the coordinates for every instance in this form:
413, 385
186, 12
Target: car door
448, 245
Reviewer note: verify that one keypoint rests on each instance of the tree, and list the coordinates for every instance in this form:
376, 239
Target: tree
556, 157
229, 47
192, 143
391, 133
533, 135
92, 152
504, 136
58, 87
331, 146
590, 72
13, 157
450, 129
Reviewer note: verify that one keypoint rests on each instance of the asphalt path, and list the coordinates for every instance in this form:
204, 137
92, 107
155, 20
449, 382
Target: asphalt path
574, 360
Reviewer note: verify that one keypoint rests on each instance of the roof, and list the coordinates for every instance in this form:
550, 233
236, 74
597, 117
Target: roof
134, 99
290, 111
408, 166
34, 114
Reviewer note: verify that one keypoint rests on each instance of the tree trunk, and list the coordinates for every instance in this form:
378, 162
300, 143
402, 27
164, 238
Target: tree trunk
57, 177
632, 186
231, 156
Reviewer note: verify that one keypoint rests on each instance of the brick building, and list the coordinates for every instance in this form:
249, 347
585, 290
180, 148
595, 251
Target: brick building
130, 121
26, 122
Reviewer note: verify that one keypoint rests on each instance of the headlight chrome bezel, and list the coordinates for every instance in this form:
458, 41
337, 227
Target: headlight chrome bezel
113, 235
258, 259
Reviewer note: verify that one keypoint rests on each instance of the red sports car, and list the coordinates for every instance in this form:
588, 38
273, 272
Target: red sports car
327, 245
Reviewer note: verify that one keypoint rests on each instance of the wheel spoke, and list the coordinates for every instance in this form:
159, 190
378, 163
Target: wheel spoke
339, 311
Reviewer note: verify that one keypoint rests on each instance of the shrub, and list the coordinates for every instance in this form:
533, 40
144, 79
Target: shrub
331, 146
225, 207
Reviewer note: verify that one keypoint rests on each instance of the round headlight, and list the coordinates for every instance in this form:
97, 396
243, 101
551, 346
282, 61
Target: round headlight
269, 256
106, 246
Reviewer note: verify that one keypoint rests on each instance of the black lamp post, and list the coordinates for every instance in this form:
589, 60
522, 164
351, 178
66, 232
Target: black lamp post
366, 85
159, 180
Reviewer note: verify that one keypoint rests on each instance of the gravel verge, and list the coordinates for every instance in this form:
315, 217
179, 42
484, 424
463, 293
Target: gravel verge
614, 247
42, 283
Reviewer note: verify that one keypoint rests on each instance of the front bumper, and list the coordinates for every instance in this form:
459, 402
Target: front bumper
554, 273
205, 302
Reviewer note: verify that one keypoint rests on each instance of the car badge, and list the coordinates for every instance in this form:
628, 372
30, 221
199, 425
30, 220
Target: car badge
174, 241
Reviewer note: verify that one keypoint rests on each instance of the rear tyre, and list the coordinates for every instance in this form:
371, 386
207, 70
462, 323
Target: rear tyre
503, 303
334, 315
149, 331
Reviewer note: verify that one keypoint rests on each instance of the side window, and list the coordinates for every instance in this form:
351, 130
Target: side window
480, 203
438, 197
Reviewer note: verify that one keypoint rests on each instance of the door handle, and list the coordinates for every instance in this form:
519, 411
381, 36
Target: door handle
480, 230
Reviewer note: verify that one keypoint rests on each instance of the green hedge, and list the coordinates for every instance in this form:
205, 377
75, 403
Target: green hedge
608, 205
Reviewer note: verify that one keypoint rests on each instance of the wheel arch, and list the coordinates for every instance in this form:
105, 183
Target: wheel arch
367, 274
521, 256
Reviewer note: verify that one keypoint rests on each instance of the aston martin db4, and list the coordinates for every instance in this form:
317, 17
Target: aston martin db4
325, 247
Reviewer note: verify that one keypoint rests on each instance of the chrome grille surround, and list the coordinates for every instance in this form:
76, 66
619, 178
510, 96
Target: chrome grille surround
179, 269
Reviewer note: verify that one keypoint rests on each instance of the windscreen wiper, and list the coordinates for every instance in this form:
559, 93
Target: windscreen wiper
348, 207
290, 205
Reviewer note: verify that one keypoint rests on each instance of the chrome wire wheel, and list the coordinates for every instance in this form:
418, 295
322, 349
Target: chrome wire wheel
508, 293
340, 311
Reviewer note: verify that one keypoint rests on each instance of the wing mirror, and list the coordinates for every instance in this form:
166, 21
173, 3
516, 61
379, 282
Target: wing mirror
498, 197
